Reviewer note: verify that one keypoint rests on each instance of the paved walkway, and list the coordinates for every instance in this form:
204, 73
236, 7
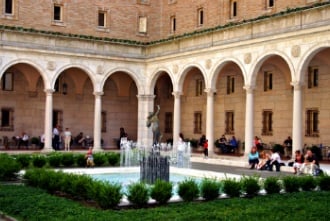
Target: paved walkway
239, 166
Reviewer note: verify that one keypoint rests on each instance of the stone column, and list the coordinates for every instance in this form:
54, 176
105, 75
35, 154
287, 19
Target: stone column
297, 127
97, 121
176, 116
210, 119
145, 106
249, 119
48, 130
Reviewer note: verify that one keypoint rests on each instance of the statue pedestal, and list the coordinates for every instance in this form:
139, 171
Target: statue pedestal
154, 167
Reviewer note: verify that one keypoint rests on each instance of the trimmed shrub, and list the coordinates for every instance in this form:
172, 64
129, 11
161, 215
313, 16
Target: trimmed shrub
39, 161
138, 194
113, 158
67, 159
307, 183
291, 184
99, 159
188, 190
272, 185
24, 160
210, 189
54, 159
9, 167
161, 191
81, 185
250, 185
231, 187
80, 160
324, 182
106, 195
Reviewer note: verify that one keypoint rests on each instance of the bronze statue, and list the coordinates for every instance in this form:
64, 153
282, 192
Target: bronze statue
153, 119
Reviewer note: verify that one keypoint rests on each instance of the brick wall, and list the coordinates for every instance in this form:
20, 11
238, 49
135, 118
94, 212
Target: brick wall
80, 16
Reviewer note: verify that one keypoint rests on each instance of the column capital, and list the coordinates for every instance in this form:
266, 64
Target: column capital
145, 97
297, 85
176, 94
98, 93
49, 91
210, 92
249, 88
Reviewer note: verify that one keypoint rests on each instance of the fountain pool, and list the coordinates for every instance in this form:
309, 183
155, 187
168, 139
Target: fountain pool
127, 175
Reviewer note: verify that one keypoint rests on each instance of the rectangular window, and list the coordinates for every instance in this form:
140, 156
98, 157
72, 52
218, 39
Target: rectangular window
233, 11
143, 24
313, 77
229, 122
267, 122
173, 24
268, 81
9, 7
198, 122
58, 13
168, 122
7, 119
200, 13
7, 82
230, 84
101, 19
104, 121
312, 122
199, 87
270, 3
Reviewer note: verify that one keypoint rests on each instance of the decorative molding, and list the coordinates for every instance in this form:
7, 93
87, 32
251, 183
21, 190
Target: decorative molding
51, 65
208, 63
249, 88
247, 58
297, 85
100, 70
177, 94
295, 51
98, 93
145, 97
175, 68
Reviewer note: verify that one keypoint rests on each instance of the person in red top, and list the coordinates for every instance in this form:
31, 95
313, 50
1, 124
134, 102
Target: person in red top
206, 146
89, 157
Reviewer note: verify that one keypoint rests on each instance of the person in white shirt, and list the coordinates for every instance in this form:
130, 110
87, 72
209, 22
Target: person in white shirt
67, 139
23, 140
275, 159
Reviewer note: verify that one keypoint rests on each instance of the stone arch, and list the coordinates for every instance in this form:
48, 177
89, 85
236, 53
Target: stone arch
260, 61
186, 69
35, 69
76, 78
155, 76
307, 57
129, 72
217, 68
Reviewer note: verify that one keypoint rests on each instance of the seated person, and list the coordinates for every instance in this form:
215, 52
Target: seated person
88, 141
298, 161
223, 139
311, 164
264, 157
24, 140
258, 143
253, 158
233, 144
79, 139
275, 159
89, 157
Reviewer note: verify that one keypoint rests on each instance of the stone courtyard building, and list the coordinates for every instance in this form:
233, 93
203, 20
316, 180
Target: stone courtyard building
233, 67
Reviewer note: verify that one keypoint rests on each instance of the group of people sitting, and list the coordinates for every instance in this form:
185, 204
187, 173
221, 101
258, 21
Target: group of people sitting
307, 164
228, 146
264, 160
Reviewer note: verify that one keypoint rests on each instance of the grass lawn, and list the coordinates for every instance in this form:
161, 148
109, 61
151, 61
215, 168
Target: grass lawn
27, 203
